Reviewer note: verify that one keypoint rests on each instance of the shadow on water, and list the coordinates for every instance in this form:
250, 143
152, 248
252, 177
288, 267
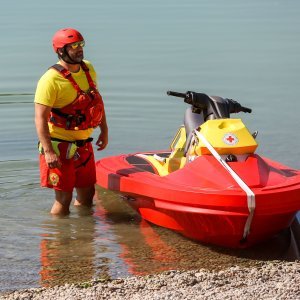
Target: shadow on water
111, 241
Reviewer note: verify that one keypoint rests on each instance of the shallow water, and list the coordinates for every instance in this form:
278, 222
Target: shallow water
111, 241
141, 49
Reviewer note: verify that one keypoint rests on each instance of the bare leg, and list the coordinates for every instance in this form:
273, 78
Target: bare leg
62, 203
85, 196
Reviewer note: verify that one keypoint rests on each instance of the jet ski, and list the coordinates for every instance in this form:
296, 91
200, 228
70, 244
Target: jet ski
210, 185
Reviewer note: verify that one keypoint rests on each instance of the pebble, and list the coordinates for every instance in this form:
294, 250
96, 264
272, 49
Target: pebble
265, 280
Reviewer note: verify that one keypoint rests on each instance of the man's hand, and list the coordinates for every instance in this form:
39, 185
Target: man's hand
52, 160
102, 140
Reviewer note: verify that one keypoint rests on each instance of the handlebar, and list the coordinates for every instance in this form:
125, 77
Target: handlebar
176, 94
203, 101
236, 107
246, 109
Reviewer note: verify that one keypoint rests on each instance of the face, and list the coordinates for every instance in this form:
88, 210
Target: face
75, 51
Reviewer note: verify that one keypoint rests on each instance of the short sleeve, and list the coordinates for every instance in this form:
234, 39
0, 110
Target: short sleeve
46, 92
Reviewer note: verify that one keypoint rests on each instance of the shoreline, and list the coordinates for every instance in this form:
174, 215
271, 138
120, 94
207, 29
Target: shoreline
265, 280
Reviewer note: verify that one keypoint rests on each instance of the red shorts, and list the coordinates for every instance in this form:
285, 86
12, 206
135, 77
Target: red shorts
76, 172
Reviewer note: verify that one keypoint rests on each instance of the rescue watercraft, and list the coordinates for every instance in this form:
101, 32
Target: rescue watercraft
210, 186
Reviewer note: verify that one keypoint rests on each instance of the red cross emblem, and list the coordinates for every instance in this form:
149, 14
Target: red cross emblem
230, 139
53, 179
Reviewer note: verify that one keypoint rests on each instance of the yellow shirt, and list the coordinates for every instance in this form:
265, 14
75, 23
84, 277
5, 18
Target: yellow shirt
56, 91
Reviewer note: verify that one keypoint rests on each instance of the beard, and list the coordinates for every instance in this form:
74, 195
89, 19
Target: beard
76, 57
70, 57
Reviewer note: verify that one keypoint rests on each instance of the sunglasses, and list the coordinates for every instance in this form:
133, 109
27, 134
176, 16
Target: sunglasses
77, 44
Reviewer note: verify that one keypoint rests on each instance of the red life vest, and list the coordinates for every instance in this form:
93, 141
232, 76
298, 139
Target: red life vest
85, 111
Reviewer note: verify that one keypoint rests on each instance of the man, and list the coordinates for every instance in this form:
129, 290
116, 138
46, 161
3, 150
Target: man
68, 107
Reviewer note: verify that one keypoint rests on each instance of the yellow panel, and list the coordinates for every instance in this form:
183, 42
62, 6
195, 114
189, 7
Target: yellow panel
227, 136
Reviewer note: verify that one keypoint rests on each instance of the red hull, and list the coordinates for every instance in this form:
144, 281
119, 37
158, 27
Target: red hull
202, 201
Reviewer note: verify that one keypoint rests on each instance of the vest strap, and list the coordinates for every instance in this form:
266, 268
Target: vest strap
68, 75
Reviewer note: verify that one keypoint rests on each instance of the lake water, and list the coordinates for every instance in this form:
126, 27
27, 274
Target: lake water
249, 51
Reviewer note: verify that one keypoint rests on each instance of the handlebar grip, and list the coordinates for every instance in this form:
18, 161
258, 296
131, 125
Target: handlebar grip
246, 109
176, 94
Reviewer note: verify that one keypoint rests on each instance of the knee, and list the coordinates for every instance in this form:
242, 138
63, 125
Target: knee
85, 196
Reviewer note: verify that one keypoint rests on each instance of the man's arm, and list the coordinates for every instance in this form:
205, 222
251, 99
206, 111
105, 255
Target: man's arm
103, 137
42, 113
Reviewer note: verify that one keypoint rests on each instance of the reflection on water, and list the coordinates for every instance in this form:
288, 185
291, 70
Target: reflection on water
67, 250
112, 241
150, 249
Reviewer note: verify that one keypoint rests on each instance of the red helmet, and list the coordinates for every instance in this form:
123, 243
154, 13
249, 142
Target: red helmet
65, 36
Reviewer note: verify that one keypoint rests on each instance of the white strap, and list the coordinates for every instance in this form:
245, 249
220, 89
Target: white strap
239, 181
